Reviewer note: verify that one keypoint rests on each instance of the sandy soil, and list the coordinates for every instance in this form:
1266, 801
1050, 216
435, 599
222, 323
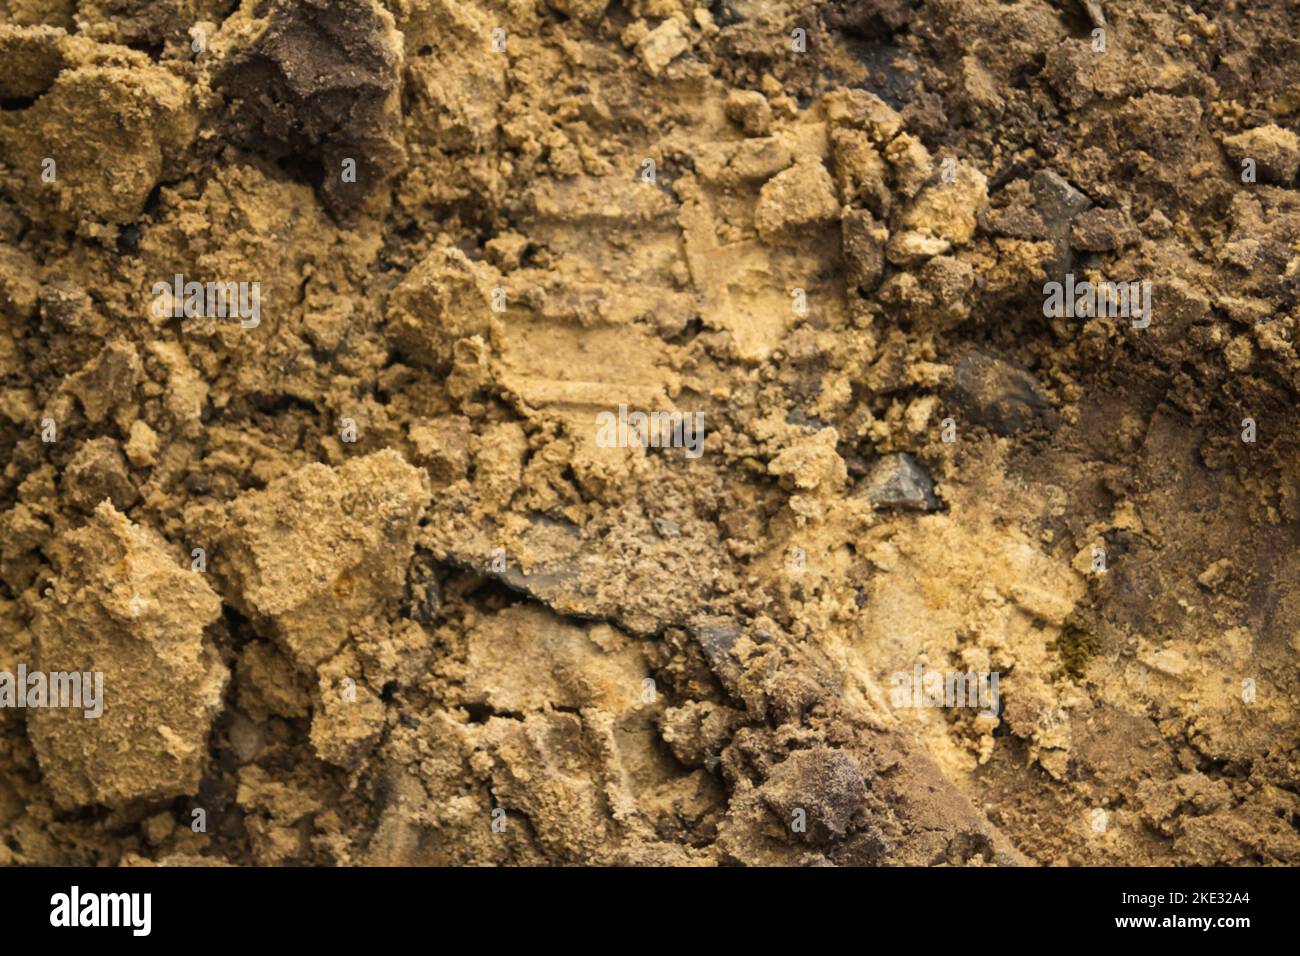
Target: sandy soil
364, 578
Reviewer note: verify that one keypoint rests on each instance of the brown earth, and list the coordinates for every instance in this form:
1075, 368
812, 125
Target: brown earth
366, 588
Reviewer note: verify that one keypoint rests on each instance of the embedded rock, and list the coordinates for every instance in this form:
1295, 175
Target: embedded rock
898, 482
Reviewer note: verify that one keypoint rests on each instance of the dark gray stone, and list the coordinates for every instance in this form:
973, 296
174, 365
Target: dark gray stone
1057, 203
898, 482
999, 396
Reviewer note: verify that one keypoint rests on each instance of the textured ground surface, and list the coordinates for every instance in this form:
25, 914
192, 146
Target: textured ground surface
436, 622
